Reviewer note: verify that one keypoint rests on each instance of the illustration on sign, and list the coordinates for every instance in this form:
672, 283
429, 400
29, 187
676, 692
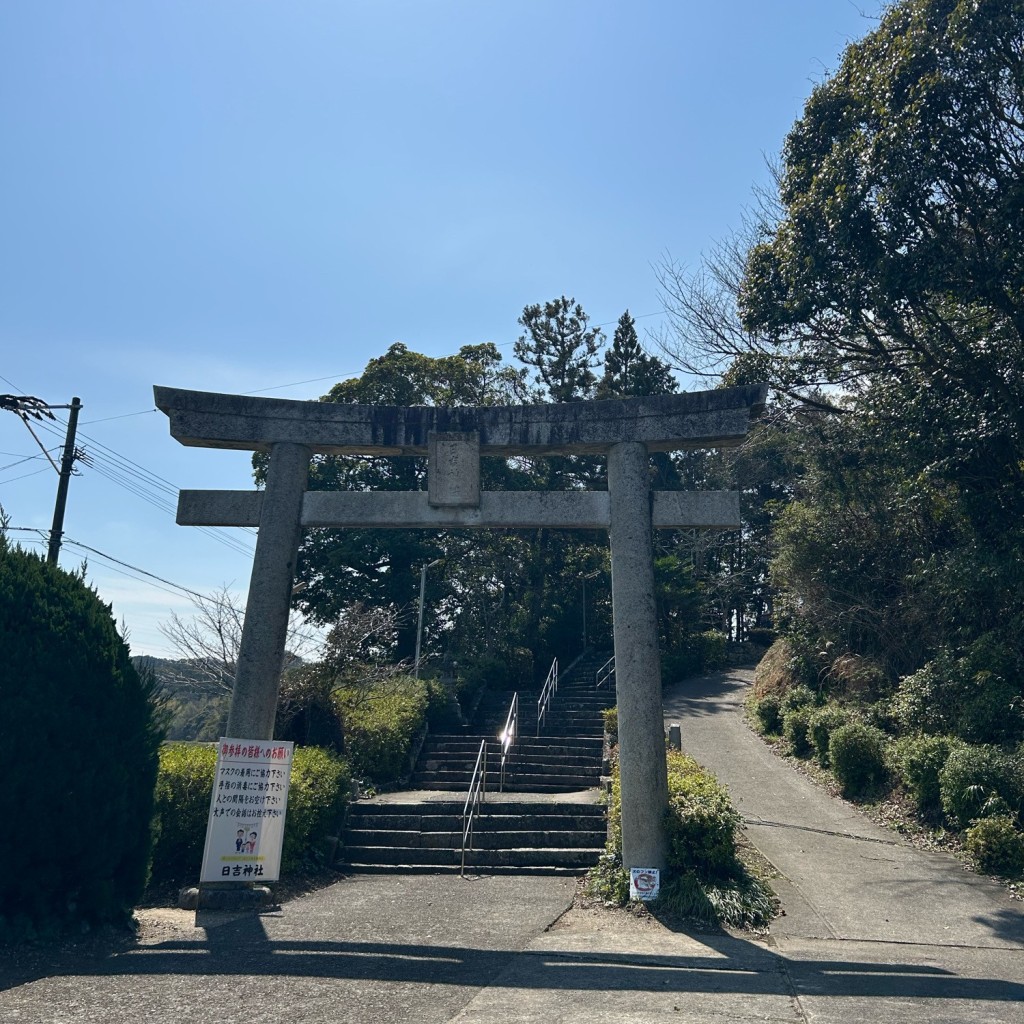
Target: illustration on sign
245, 830
644, 883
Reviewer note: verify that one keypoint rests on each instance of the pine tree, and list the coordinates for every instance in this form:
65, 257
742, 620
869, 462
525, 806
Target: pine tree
629, 370
562, 348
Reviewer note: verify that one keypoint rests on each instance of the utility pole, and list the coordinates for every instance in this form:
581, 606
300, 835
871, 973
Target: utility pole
66, 465
419, 624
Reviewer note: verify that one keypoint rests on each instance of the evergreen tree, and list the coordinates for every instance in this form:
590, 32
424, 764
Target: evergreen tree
629, 371
562, 348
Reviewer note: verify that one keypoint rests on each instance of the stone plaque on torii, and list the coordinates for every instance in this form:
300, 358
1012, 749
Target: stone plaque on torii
453, 440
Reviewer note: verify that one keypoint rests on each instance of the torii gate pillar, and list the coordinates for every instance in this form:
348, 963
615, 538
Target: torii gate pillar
642, 768
265, 627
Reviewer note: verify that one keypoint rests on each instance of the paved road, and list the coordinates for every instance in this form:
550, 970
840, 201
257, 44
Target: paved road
874, 931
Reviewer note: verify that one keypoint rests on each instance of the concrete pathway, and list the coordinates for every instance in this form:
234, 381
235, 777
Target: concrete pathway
874, 931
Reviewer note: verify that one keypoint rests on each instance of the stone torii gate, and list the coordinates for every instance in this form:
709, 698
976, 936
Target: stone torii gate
453, 440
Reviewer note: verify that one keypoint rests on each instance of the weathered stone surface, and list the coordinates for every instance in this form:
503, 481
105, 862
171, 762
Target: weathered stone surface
453, 469
261, 651
498, 509
698, 419
642, 771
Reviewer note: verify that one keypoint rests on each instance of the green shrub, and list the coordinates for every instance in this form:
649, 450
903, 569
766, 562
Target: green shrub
856, 752
611, 724
183, 790
798, 697
962, 696
306, 713
917, 762
317, 799
979, 782
443, 713
795, 727
760, 636
80, 750
608, 880
380, 726
701, 821
681, 663
712, 645
767, 714
744, 903
705, 879
822, 723
996, 847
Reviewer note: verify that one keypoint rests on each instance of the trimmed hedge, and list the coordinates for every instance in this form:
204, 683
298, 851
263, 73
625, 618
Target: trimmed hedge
796, 725
702, 822
917, 762
996, 847
183, 789
822, 723
857, 754
980, 782
81, 736
317, 800
317, 803
380, 726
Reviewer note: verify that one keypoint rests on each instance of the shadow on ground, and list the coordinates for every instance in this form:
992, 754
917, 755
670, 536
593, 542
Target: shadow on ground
242, 948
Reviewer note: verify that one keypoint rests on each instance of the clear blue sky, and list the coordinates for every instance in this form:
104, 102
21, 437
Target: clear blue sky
237, 196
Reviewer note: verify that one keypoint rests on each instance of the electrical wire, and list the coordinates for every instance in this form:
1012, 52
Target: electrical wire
148, 486
25, 476
27, 458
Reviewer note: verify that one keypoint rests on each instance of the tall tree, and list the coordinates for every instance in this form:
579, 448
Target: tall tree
900, 250
380, 568
629, 370
561, 347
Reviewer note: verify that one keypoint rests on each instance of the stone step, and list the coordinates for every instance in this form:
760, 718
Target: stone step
483, 839
519, 758
580, 858
452, 823
570, 744
568, 784
547, 870
496, 809
520, 771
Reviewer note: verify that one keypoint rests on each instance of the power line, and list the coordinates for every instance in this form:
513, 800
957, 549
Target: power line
312, 380
27, 458
205, 598
148, 486
121, 416
25, 476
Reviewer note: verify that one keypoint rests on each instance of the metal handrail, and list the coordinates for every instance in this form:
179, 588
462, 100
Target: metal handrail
548, 690
476, 796
509, 738
604, 673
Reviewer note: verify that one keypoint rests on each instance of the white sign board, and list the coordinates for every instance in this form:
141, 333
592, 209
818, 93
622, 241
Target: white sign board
644, 883
245, 830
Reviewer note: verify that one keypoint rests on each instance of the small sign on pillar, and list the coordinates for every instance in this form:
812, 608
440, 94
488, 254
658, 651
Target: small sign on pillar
644, 884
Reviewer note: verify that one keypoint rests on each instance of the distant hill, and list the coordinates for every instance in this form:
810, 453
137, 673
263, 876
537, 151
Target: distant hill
197, 702
197, 699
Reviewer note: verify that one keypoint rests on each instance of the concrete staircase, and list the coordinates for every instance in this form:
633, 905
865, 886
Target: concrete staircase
547, 819
396, 834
